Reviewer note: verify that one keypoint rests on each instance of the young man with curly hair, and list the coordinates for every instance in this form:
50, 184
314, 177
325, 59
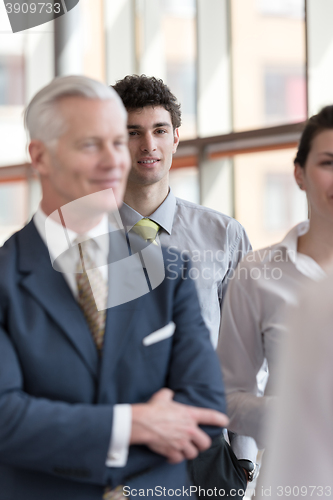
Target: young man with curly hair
213, 241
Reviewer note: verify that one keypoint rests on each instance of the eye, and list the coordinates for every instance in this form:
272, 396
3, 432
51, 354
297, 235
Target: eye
89, 144
161, 131
327, 163
132, 133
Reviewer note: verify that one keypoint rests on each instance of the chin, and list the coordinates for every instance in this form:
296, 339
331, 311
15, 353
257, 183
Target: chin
94, 204
144, 179
108, 200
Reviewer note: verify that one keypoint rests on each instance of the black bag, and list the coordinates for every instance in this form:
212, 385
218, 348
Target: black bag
218, 468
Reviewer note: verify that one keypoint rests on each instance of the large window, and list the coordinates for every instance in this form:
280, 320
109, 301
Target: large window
237, 67
268, 201
12, 93
166, 48
268, 62
285, 94
257, 188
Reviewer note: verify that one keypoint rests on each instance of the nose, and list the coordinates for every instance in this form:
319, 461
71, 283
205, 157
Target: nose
109, 156
148, 143
112, 158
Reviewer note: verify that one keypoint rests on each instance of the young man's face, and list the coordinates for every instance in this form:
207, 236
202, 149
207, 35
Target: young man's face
152, 142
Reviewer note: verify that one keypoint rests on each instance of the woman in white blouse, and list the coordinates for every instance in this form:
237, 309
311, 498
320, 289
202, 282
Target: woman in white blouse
267, 283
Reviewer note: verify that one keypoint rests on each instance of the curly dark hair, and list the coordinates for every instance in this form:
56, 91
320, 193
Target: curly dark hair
316, 124
139, 91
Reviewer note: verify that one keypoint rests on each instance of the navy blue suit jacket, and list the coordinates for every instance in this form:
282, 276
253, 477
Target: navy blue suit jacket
57, 396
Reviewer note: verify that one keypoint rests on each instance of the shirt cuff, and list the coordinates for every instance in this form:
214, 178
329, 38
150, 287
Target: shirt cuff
120, 436
244, 447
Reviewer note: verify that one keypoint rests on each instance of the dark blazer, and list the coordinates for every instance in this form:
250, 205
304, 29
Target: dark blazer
57, 396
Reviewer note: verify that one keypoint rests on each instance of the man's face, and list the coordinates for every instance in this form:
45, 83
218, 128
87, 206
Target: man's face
152, 142
89, 157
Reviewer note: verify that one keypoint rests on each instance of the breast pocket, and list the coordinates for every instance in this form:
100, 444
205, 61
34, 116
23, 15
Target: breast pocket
158, 341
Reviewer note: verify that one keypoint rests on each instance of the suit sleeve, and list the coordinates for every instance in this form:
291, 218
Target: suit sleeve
194, 374
36, 433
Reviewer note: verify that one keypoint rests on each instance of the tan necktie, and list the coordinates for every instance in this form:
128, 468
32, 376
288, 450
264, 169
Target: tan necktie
116, 494
92, 295
147, 229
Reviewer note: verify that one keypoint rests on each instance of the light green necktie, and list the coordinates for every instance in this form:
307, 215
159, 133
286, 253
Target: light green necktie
147, 229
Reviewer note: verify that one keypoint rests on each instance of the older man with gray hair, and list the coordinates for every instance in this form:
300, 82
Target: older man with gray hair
101, 390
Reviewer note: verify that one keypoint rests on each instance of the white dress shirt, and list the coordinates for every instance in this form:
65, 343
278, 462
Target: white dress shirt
266, 283
299, 461
54, 239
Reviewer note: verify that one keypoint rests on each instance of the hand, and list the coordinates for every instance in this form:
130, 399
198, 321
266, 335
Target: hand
171, 429
246, 475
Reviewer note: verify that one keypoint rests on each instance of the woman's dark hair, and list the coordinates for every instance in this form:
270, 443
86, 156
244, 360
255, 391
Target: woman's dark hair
316, 124
141, 91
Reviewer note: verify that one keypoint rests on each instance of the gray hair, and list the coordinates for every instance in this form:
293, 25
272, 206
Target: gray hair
42, 119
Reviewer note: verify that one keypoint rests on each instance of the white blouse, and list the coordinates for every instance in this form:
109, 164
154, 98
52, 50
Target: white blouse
266, 283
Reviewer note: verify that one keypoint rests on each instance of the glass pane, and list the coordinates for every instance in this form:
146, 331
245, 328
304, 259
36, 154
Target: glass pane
166, 48
268, 201
217, 184
12, 136
283, 8
184, 183
179, 18
11, 79
268, 62
12, 93
13, 208
12, 83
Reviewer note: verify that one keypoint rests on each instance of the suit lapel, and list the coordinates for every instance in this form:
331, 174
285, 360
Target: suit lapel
52, 292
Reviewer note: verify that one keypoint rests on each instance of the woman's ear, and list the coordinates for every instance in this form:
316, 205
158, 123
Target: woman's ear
299, 176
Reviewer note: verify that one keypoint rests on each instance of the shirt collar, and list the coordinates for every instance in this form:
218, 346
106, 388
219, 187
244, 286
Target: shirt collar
57, 239
290, 241
163, 215
303, 263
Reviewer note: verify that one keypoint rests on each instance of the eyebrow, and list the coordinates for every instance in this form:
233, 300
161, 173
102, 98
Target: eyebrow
155, 125
327, 153
98, 138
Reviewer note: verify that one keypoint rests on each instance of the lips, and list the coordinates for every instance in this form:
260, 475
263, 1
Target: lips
148, 162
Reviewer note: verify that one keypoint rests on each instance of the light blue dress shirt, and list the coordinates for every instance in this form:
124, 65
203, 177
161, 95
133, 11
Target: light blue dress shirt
214, 242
